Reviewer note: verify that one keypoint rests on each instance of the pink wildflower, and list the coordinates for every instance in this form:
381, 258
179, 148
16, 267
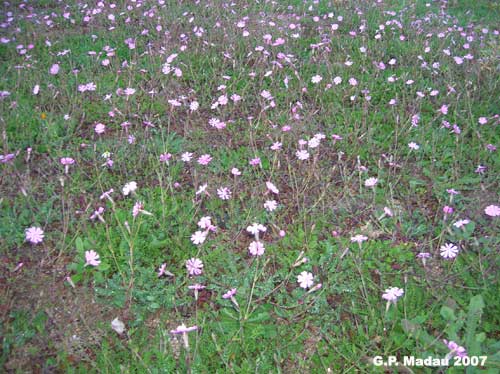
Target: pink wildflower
305, 279
92, 258
256, 248
194, 266
34, 235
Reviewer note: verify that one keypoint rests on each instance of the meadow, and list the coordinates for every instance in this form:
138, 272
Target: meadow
249, 186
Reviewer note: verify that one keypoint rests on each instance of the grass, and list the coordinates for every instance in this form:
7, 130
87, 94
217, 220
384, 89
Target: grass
56, 309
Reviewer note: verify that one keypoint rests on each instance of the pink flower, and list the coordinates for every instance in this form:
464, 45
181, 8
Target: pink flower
449, 251
480, 169
99, 128
305, 279
461, 223
128, 91
255, 228
161, 270
235, 171
194, 266
199, 237
388, 212
106, 195
229, 294
204, 159
276, 146
186, 156
316, 79
202, 189
205, 222
164, 157
92, 258
491, 147
129, 187
359, 239
271, 187
302, 154
455, 349
371, 182
224, 193
196, 287
392, 294
270, 205
447, 209
492, 210
137, 208
255, 161
424, 256
54, 69
98, 214
34, 235
413, 145
182, 329
256, 248
67, 161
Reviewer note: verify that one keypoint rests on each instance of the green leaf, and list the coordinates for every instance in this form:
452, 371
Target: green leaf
264, 316
79, 245
481, 337
416, 331
448, 313
475, 311
103, 266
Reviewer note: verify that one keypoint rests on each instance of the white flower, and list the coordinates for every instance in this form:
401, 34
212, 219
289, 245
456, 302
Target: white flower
492, 210
413, 145
461, 223
199, 237
118, 326
392, 294
194, 106
256, 248
224, 193
202, 189
270, 205
313, 142
302, 155
371, 182
448, 250
271, 187
255, 228
34, 235
358, 238
316, 79
129, 187
205, 222
305, 279
186, 156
